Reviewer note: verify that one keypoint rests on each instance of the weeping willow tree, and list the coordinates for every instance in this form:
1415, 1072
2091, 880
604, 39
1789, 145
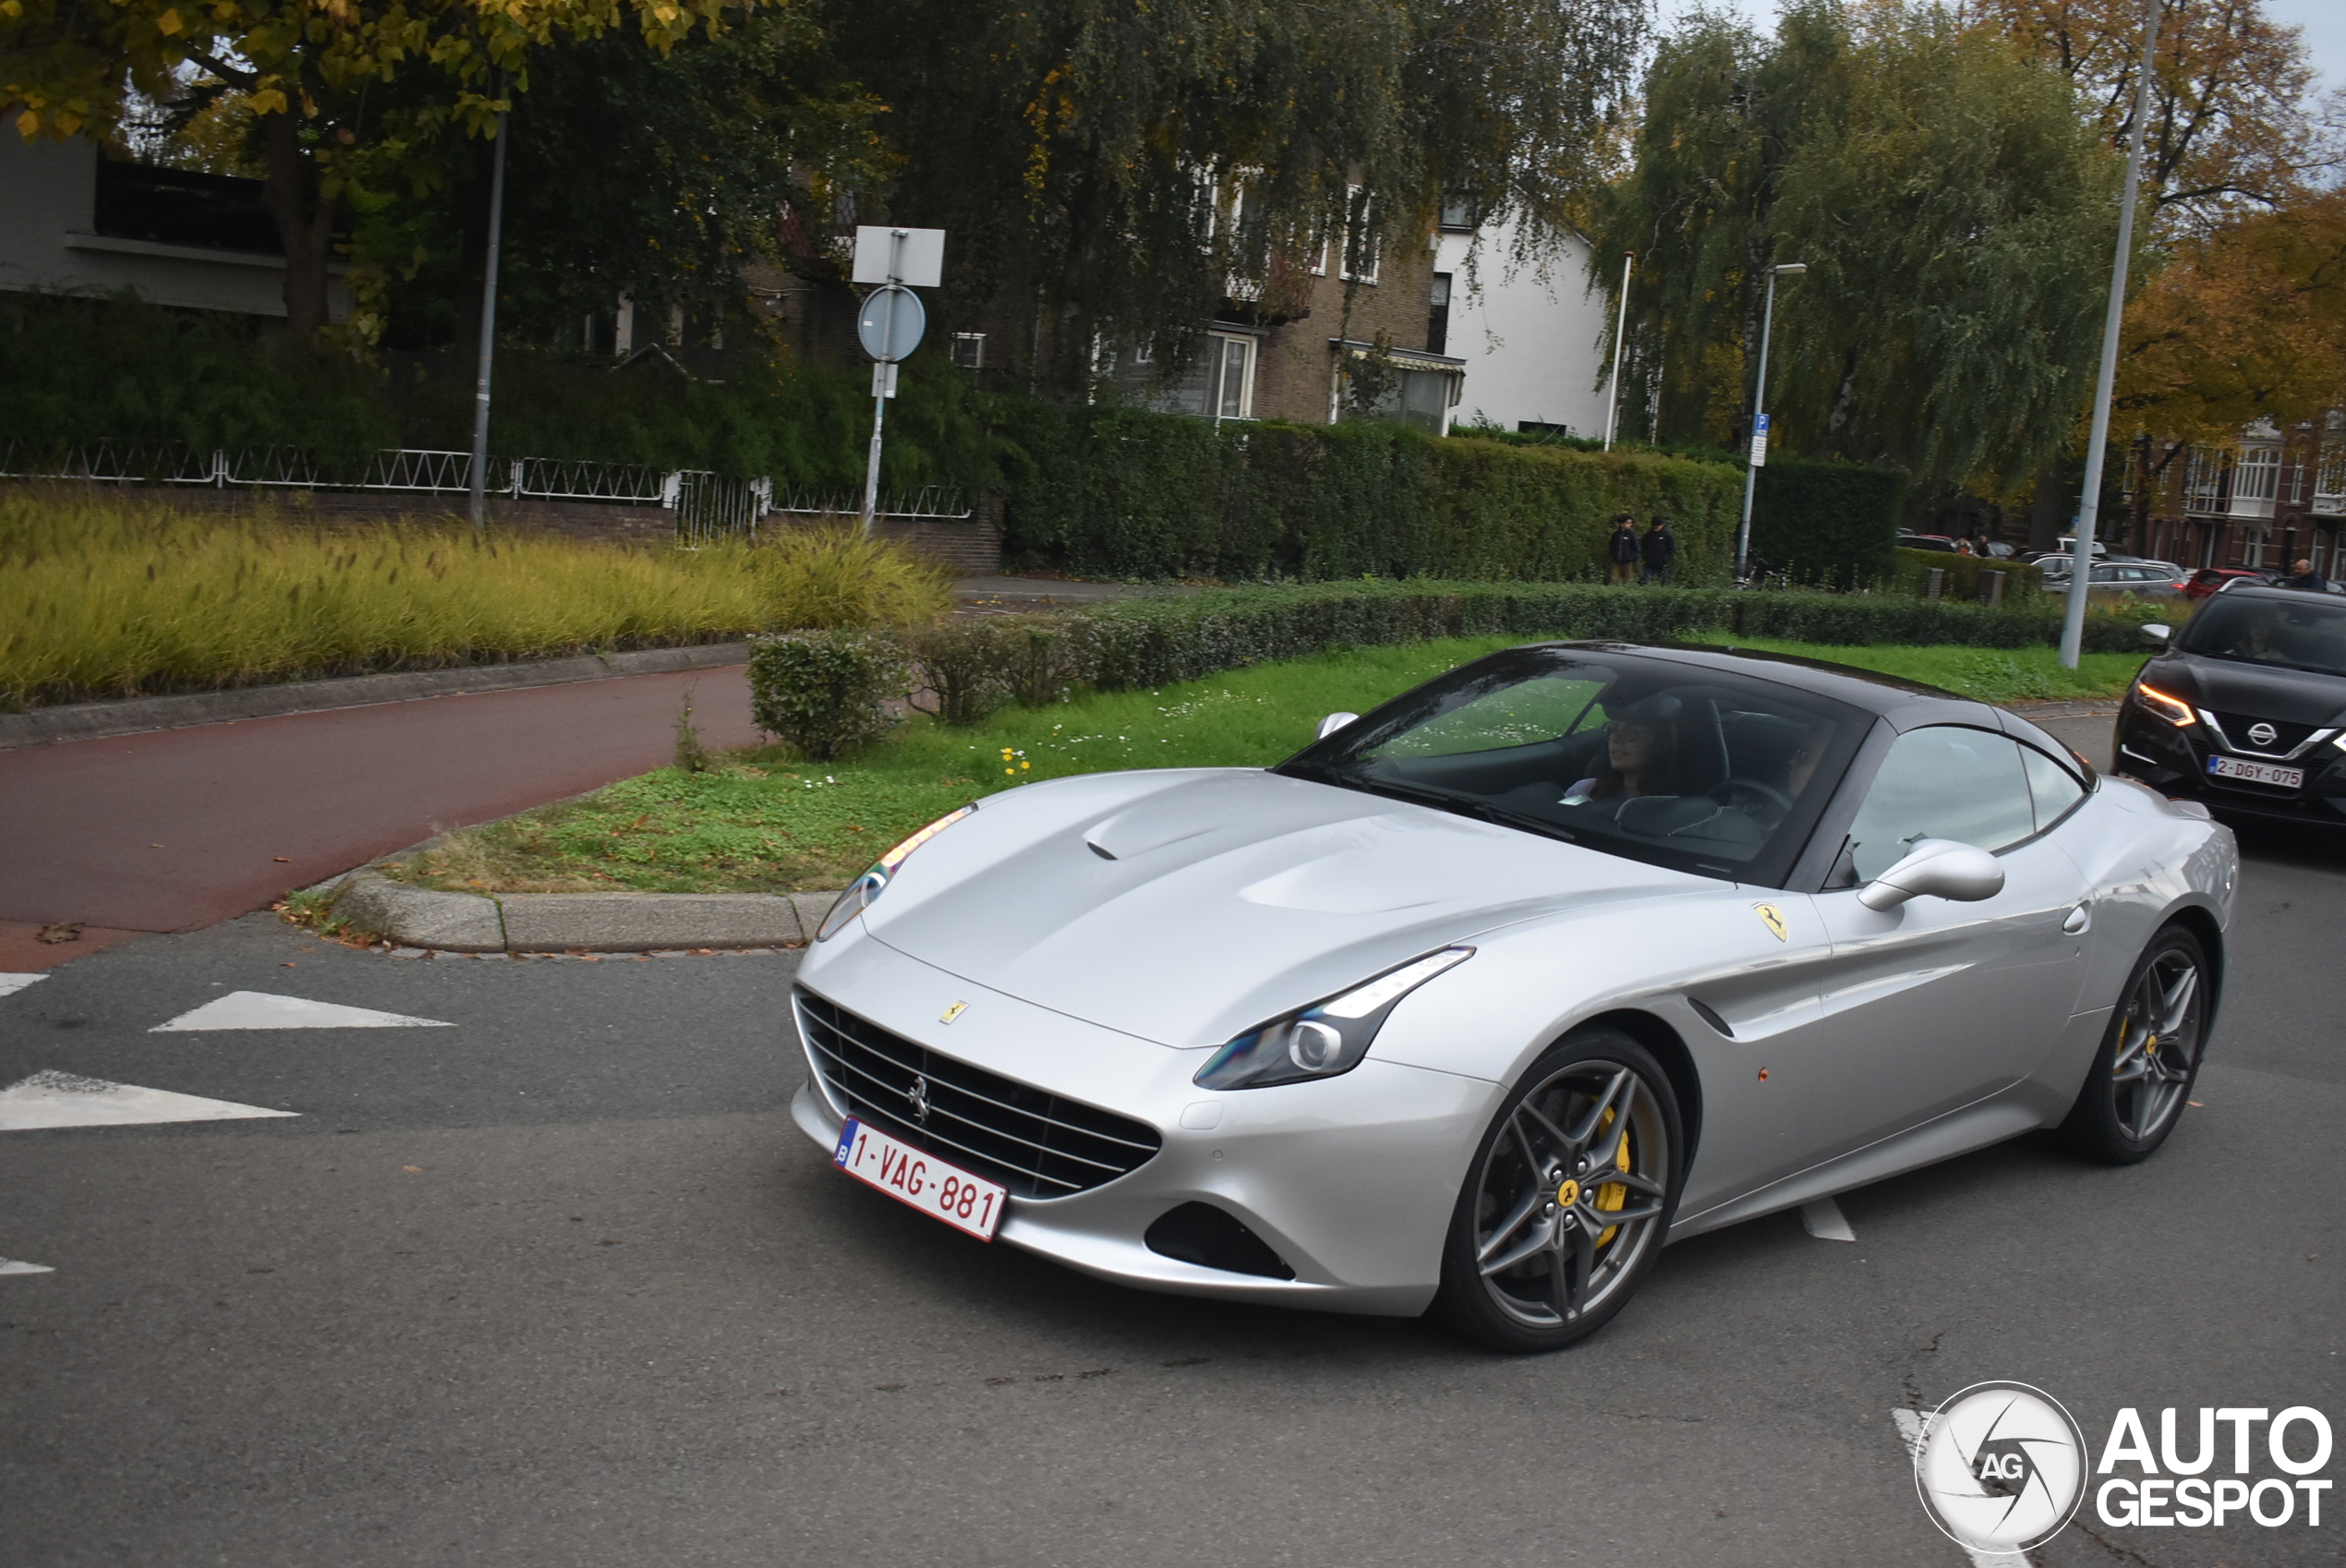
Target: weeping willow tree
1951, 201
1119, 171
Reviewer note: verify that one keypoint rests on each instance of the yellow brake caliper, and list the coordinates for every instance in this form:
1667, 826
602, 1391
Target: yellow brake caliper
1612, 1194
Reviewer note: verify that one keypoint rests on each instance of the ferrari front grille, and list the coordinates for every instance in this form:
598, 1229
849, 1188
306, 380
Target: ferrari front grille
1034, 1142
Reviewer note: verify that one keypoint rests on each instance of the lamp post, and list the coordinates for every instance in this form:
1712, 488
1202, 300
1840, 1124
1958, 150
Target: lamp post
1758, 459
478, 498
1613, 388
2081, 568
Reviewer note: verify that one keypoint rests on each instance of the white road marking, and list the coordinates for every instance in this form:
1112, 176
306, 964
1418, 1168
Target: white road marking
63, 1099
1911, 1424
1824, 1220
12, 983
259, 1009
10, 1266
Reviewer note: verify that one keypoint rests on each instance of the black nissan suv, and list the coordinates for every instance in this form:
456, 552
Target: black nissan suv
2246, 710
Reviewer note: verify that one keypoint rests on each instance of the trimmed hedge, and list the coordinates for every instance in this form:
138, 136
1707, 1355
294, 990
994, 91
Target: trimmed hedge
978, 664
1120, 493
827, 692
1966, 579
1827, 522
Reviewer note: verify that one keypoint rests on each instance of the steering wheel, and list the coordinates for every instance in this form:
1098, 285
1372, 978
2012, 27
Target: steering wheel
1725, 792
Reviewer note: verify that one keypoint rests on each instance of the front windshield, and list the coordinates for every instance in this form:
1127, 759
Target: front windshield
1708, 771
2306, 634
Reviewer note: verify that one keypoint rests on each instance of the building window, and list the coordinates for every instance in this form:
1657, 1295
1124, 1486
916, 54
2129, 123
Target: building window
1229, 377
1360, 237
2258, 476
1219, 385
1437, 320
2254, 555
1416, 388
1459, 214
2204, 480
969, 350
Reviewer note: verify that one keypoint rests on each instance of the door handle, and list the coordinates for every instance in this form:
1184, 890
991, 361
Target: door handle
2079, 919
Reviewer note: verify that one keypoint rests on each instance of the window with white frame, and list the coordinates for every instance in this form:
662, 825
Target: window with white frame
1360, 237
2258, 475
1220, 383
2203, 479
969, 350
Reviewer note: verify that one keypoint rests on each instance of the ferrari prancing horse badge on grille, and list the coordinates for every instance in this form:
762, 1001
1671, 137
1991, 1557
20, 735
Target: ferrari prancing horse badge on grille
1772, 918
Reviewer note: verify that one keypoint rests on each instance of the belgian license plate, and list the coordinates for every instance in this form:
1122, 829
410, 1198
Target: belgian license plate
915, 1176
2257, 772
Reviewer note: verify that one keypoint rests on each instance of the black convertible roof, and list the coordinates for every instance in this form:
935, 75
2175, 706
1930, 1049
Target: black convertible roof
1905, 704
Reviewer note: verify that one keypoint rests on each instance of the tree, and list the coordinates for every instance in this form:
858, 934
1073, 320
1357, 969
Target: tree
2230, 122
340, 93
1109, 169
1951, 206
2244, 322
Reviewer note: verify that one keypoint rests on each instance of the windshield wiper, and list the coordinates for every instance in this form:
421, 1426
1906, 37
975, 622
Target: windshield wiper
1443, 799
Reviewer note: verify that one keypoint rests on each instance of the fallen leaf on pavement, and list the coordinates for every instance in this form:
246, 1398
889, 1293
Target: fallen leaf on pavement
59, 931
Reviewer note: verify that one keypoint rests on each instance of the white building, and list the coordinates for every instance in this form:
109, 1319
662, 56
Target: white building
76, 223
1530, 332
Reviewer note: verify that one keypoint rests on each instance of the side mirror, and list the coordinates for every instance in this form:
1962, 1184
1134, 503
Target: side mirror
1940, 867
1333, 723
2156, 634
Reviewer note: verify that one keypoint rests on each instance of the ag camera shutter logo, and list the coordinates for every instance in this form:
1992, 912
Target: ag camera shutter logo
2000, 1467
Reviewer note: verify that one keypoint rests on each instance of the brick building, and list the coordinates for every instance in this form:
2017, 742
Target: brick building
2271, 498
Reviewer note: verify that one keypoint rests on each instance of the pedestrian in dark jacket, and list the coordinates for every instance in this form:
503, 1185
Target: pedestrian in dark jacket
1623, 550
1660, 549
2307, 578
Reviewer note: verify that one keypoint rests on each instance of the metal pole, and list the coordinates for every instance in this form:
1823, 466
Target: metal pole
2081, 555
1758, 410
479, 500
1620, 325
881, 373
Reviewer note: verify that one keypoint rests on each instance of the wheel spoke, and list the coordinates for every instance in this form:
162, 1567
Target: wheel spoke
1538, 1240
1523, 1209
1606, 1218
1593, 1118
1579, 1274
1566, 1145
2174, 1001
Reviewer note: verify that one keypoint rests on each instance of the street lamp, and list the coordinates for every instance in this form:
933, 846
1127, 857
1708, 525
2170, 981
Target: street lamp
1760, 418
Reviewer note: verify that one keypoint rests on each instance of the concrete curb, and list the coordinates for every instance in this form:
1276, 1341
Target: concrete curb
96, 722
558, 922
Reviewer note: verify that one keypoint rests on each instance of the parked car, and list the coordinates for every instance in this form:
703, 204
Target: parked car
2109, 579
1926, 541
2064, 552
2246, 709
1998, 549
1480, 999
2208, 579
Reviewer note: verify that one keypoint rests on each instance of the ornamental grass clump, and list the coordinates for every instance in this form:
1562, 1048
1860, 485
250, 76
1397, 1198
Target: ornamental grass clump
104, 595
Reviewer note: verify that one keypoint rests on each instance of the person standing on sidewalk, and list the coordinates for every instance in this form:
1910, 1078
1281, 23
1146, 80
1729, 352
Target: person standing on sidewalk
1623, 549
1660, 549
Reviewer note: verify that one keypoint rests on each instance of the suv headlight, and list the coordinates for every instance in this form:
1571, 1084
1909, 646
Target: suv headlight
873, 883
1325, 1038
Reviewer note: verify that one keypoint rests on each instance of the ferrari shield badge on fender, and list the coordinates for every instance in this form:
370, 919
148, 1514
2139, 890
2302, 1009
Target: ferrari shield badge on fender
950, 1014
1772, 918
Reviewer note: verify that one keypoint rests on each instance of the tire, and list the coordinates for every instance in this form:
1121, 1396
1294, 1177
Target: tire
1570, 1252
2142, 1077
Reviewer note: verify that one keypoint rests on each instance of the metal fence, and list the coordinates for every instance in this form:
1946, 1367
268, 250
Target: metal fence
707, 505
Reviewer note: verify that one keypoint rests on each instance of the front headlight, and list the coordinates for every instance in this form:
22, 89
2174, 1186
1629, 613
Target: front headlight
873, 883
2164, 705
1325, 1038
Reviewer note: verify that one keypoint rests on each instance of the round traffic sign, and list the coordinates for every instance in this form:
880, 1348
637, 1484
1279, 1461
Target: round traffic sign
892, 322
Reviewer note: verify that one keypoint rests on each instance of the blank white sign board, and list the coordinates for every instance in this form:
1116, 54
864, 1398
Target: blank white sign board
920, 257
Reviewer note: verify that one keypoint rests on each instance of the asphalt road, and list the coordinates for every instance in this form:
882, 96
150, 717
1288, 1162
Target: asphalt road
560, 1285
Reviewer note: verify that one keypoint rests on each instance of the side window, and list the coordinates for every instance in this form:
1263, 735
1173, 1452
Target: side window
1942, 782
2053, 787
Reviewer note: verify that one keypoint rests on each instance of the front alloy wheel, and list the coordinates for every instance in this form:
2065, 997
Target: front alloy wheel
2136, 1091
1568, 1199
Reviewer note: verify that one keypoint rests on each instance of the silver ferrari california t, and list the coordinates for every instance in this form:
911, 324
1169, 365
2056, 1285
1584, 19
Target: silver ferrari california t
1480, 999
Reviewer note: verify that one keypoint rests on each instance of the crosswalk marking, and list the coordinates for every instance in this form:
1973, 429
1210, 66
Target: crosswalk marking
1824, 1221
11, 1266
12, 983
259, 1009
63, 1099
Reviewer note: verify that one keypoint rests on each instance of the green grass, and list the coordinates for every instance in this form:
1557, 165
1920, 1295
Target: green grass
762, 822
102, 595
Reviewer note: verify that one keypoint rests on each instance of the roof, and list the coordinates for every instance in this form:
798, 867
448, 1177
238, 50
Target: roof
1903, 702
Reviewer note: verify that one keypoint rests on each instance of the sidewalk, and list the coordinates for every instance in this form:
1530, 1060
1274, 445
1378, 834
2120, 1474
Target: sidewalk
180, 829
